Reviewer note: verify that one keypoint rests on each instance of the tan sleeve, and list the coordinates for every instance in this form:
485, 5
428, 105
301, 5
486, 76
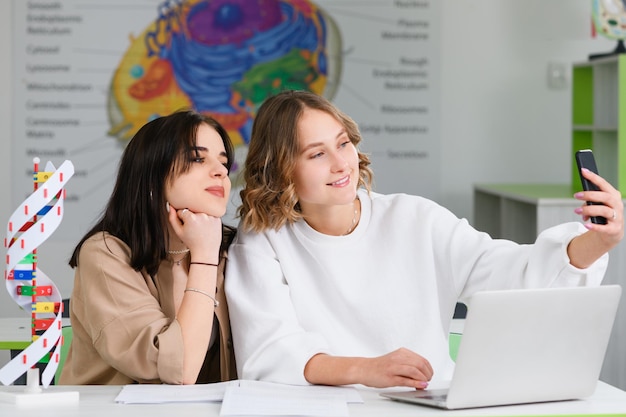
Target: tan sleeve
121, 313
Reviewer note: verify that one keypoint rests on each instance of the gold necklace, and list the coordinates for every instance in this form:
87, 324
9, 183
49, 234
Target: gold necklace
178, 252
353, 225
181, 259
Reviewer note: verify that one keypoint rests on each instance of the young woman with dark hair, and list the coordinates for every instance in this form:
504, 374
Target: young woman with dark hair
147, 304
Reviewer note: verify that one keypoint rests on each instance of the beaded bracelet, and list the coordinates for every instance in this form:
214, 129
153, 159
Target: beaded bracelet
215, 302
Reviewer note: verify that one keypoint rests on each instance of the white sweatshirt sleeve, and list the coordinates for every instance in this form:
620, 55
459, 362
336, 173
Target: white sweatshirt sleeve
500, 264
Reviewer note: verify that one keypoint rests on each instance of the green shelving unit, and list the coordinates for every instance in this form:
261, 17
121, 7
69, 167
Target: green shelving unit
599, 117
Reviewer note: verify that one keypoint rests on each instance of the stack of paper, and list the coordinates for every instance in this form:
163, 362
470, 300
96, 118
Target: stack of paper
250, 397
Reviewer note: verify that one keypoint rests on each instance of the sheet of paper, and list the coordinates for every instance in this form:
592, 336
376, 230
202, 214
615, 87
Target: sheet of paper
350, 394
249, 399
155, 394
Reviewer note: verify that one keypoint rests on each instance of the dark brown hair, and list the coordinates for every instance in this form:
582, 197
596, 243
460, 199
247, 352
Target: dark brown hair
160, 151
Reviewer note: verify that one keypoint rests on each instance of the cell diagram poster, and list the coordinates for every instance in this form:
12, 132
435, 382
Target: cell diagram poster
89, 73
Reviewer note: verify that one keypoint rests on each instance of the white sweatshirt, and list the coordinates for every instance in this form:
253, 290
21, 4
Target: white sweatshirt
393, 282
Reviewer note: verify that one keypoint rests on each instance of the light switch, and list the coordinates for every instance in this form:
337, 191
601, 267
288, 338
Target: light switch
557, 75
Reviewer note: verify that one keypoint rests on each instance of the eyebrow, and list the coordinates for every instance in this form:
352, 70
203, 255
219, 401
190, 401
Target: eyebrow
315, 144
203, 149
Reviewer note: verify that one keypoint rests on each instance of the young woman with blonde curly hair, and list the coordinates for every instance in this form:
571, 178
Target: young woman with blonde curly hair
331, 283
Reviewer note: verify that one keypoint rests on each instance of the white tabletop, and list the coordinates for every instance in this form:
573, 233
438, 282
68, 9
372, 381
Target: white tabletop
96, 401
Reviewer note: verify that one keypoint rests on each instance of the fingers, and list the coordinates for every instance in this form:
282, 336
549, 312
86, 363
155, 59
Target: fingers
610, 200
401, 367
601, 210
414, 366
199, 232
180, 218
597, 180
610, 206
177, 218
408, 382
181, 215
410, 376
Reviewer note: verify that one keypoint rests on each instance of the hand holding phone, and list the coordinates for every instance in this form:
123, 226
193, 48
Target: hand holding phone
585, 159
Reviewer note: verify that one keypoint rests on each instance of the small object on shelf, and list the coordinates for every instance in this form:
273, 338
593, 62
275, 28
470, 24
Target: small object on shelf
609, 20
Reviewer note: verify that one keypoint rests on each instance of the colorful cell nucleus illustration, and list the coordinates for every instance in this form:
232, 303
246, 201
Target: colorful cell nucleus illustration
223, 58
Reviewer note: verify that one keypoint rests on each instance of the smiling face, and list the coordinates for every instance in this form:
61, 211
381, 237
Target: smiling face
205, 187
327, 166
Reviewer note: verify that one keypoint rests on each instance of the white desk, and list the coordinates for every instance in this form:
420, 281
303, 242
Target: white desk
98, 401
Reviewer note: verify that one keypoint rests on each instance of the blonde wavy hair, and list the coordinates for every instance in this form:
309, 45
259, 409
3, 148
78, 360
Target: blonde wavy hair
269, 198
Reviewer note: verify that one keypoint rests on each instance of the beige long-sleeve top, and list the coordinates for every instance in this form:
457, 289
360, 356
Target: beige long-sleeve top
124, 322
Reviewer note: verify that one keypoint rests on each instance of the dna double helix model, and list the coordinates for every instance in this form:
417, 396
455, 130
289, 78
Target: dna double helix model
29, 226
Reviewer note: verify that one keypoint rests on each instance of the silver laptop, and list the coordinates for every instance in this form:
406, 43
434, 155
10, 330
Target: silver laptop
527, 346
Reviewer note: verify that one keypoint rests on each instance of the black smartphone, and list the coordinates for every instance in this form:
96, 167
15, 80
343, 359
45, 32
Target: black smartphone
585, 159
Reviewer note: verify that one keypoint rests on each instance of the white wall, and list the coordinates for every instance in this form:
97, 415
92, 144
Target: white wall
7, 306
499, 120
